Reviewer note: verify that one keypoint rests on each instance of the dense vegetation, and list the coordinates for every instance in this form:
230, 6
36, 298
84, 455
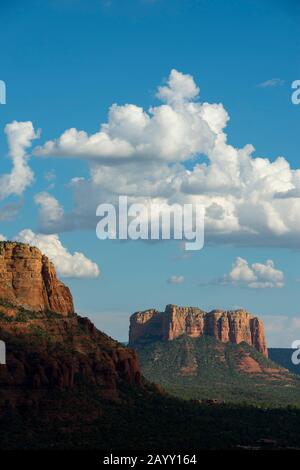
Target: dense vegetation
204, 369
22, 315
80, 420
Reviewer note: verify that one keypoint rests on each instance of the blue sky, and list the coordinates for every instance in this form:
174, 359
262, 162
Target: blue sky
66, 62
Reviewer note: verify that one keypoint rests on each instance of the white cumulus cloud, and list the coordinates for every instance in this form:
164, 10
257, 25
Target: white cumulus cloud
19, 136
142, 154
254, 276
281, 330
173, 131
50, 210
179, 88
74, 265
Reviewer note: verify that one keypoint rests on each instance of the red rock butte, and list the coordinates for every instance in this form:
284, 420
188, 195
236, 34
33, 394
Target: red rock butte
28, 279
233, 326
37, 314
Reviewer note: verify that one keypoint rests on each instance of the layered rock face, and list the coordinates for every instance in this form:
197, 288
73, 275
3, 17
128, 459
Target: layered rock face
233, 326
48, 345
28, 279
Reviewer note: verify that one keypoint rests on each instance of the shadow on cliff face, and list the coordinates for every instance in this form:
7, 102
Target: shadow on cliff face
62, 353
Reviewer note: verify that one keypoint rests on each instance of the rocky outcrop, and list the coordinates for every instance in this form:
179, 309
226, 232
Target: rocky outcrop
28, 279
227, 326
62, 353
49, 346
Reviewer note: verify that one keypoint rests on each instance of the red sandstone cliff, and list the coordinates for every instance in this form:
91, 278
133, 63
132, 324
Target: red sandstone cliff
234, 326
28, 279
48, 345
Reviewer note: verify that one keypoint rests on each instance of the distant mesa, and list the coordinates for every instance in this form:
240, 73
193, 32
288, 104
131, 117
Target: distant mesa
211, 357
235, 326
